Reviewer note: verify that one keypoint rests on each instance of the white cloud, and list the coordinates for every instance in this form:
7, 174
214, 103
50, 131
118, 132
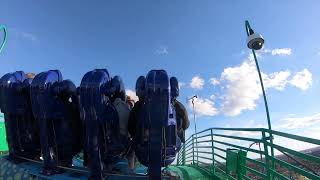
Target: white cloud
299, 122
282, 51
197, 82
29, 36
213, 97
241, 86
302, 79
277, 80
214, 81
132, 95
204, 107
162, 50
24, 35
242, 89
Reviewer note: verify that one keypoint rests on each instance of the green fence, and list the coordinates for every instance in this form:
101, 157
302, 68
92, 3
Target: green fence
249, 153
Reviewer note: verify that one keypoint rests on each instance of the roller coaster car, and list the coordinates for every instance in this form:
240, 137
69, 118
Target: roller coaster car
50, 114
21, 126
55, 106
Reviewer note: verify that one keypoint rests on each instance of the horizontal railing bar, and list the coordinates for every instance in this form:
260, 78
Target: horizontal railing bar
279, 175
240, 138
203, 147
186, 145
220, 163
189, 145
188, 149
222, 171
255, 171
296, 153
240, 147
228, 175
202, 162
296, 169
256, 162
220, 156
296, 137
203, 152
188, 156
240, 129
207, 135
204, 141
188, 153
209, 129
204, 158
188, 139
245, 177
219, 149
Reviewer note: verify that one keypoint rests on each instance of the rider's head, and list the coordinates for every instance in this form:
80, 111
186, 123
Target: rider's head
141, 87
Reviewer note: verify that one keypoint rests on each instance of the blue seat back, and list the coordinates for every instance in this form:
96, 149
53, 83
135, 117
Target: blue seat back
101, 120
55, 106
157, 116
21, 127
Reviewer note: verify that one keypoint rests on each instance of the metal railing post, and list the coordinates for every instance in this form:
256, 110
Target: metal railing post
197, 149
193, 150
184, 154
266, 155
178, 159
212, 146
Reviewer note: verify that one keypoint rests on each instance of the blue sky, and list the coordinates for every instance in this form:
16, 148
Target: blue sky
197, 40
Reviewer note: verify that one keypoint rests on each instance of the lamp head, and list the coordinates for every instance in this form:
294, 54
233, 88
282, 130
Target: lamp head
255, 41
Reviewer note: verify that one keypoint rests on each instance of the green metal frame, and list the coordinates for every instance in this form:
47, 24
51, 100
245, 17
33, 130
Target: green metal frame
209, 154
3, 28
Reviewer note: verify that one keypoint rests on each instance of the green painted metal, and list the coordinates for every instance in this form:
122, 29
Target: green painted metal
3, 137
248, 29
252, 163
232, 160
3, 28
191, 172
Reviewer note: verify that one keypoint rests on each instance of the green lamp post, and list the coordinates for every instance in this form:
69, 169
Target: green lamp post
255, 42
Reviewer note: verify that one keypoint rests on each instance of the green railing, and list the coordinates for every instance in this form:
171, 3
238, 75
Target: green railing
245, 153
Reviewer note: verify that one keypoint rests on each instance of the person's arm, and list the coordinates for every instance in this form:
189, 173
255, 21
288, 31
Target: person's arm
184, 115
132, 121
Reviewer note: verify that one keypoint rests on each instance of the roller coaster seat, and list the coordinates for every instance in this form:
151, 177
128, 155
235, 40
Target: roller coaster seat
55, 106
21, 127
101, 121
155, 118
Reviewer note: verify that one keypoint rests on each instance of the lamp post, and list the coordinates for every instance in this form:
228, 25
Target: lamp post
255, 42
3, 28
194, 114
195, 125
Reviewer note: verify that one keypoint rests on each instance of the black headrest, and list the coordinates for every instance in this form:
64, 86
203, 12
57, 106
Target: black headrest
174, 87
116, 88
141, 87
